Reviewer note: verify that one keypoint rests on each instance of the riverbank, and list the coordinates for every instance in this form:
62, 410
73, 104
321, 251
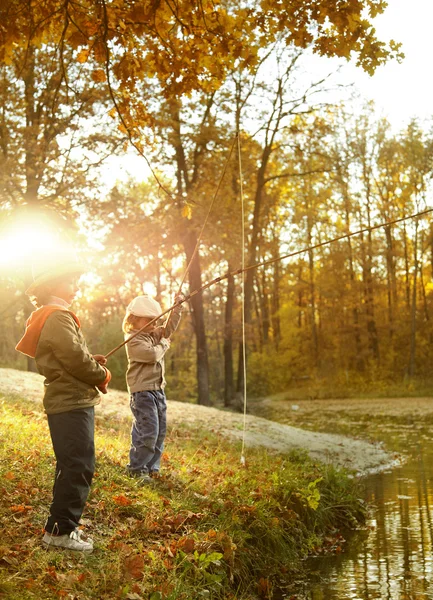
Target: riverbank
388, 421
391, 558
340, 450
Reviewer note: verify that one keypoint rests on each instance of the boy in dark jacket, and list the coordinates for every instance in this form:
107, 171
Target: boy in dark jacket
72, 379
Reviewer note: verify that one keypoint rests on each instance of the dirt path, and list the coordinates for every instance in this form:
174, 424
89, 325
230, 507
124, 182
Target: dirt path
355, 454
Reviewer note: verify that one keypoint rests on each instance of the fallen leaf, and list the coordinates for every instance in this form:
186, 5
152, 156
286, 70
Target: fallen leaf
122, 500
186, 544
133, 566
20, 508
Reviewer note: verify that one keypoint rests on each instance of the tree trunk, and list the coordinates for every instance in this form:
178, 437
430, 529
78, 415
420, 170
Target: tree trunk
197, 313
252, 259
431, 247
359, 362
257, 340
264, 307
300, 296
390, 273
312, 287
190, 241
32, 129
373, 341
228, 340
411, 367
276, 328
371, 324
406, 267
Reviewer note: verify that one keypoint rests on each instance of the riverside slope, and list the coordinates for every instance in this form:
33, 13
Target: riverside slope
342, 451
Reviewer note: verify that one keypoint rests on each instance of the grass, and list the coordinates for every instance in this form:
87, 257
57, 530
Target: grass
210, 528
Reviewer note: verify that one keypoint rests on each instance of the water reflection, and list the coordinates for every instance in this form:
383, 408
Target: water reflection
394, 559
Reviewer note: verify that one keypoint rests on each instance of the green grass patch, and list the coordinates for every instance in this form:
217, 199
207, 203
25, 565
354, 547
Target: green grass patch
209, 528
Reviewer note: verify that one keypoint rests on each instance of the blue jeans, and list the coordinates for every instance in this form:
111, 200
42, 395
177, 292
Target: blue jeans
149, 426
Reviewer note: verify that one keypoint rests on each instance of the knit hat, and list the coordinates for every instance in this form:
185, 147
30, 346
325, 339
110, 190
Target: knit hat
47, 268
144, 306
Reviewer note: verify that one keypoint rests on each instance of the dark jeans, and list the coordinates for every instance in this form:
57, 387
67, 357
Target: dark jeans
149, 426
72, 434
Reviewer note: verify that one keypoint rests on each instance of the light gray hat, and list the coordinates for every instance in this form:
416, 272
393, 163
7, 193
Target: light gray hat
144, 306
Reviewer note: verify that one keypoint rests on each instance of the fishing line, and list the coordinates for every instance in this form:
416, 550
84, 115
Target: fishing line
241, 190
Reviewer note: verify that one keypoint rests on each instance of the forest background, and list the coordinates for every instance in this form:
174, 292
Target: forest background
352, 317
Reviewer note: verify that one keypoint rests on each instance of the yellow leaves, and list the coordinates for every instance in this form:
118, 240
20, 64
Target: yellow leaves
76, 39
99, 51
211, 534
98, 75
83, 56
193, 46
353, 22
136, 14
139, 146
186, 211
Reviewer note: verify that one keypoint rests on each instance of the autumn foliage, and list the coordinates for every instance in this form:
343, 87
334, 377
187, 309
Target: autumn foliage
186, 45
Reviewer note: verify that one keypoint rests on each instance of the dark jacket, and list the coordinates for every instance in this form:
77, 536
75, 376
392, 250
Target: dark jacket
53, 336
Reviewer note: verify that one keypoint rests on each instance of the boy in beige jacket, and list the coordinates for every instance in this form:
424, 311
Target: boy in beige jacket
146, 382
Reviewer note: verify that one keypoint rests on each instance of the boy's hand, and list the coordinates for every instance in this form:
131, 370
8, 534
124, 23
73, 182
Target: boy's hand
100, 358
103, 387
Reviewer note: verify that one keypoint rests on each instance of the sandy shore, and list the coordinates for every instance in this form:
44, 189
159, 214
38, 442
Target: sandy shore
356, 454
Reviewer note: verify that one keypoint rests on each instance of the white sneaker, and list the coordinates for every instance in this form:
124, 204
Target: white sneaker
141, 478
77, 540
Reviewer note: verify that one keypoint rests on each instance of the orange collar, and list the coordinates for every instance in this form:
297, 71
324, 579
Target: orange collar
34, 325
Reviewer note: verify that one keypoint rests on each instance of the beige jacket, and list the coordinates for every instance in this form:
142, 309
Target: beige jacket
145, 354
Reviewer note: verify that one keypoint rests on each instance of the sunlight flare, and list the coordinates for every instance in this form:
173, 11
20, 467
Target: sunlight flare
24, 240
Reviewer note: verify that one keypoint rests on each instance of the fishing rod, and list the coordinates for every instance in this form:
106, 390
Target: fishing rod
264, 264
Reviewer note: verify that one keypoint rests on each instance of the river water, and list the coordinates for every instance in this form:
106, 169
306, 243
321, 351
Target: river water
392, 559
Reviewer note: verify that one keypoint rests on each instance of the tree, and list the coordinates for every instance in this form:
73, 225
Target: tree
185, 45
280, 122
418, 155
47, 156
